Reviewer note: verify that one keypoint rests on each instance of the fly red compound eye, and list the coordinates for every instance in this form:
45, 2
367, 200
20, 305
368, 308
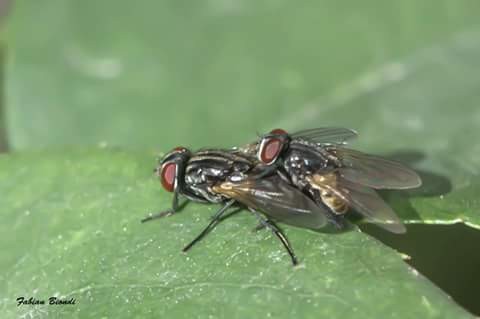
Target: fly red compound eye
270, 150
167, 176
278, 131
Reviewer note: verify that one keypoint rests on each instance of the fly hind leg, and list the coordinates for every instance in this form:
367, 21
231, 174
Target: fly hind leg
215, 220
266, 223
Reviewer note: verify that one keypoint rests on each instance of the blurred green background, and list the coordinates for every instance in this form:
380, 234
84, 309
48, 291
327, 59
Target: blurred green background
157, 74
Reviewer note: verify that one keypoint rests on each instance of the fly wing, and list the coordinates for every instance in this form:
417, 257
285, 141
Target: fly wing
368, 203
375, 172
277, 199
326, 135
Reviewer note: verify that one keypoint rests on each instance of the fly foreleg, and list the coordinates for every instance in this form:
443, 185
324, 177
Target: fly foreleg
175, 208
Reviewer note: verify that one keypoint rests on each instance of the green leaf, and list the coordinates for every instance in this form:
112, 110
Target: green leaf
70, 228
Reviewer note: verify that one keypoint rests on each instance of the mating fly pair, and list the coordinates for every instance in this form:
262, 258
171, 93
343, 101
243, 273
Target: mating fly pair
307, 179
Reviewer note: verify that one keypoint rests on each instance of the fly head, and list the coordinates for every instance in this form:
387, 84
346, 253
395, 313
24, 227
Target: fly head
171, 169
272, 145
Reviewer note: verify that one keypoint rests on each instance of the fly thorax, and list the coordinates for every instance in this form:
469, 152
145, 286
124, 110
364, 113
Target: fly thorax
241, 167
198, 182
194, 177
297, 168
236, 177
212, 173
211, 196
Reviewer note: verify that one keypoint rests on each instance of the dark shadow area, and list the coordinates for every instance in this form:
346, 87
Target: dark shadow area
448, 255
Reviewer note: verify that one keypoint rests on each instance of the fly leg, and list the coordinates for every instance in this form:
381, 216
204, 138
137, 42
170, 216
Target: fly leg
175, 208
270, 225
215, 219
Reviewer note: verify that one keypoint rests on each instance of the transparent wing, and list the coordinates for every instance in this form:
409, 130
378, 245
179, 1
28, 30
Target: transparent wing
368, 203
328, 135
277, 199
375, 172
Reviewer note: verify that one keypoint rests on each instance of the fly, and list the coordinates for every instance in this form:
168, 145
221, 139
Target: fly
231, 178
317, 162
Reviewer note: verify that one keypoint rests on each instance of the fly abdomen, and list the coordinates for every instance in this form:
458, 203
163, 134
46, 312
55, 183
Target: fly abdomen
326, 185
335, 203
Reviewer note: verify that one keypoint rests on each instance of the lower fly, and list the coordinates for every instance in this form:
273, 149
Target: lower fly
231, 179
